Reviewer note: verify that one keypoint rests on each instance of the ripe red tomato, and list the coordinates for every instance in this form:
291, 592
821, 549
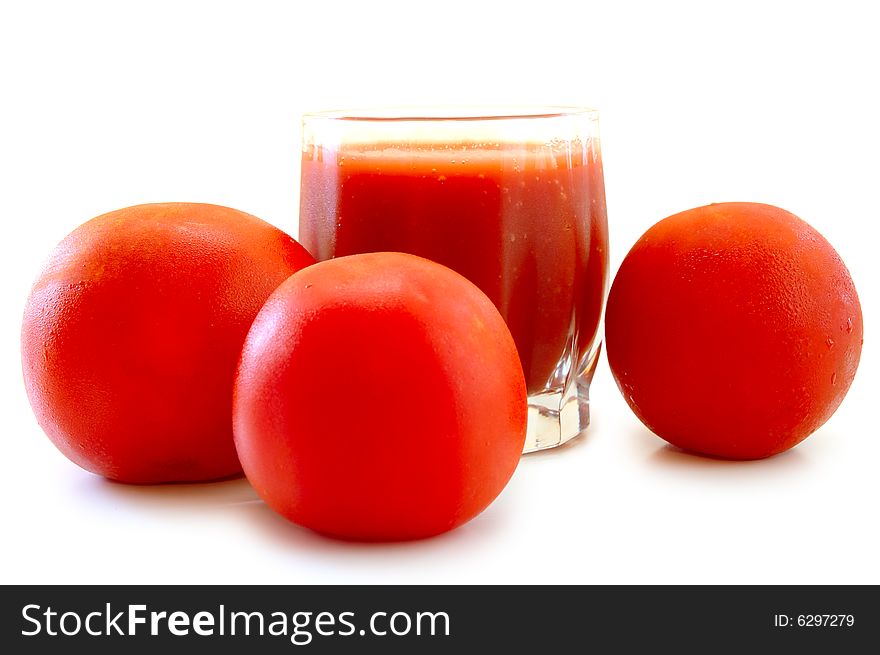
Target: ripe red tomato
379, 397
132, 333
733, 330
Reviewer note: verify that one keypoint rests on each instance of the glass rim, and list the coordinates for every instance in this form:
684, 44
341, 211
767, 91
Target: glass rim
451, 113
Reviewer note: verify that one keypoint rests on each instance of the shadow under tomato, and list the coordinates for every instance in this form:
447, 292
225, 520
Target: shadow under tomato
236, 497
181, 496
278, 529
671, 457
666, 456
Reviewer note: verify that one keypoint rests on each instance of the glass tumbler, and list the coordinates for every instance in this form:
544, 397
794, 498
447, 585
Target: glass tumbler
512, 200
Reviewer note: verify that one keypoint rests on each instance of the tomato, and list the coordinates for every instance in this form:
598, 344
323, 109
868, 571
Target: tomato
133, 330
733, 330
379, 397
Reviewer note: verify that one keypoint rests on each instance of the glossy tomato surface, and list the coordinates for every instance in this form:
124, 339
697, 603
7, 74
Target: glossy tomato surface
733, 330
132, 332
379, 397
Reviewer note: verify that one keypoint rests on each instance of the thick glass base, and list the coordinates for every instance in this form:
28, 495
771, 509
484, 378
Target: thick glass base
556, 417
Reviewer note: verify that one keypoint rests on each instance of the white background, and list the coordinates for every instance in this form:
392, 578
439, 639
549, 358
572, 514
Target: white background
105, 105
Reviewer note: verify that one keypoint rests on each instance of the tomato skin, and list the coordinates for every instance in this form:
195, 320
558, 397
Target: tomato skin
132, 332
379, 397
733, 330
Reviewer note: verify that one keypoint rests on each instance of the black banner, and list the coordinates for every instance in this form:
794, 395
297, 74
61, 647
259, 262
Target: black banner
418, 619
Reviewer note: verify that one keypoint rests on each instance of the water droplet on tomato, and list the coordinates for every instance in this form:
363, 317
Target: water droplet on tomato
829, 342
833, 379
849, 326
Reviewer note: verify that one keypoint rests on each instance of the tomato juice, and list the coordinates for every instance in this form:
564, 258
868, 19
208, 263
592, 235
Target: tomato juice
526, 222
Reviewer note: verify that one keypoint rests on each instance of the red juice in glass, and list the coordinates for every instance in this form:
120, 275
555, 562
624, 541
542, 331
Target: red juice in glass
514, 203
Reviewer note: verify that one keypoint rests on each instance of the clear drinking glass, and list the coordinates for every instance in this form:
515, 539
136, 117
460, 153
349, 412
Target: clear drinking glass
512, 200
